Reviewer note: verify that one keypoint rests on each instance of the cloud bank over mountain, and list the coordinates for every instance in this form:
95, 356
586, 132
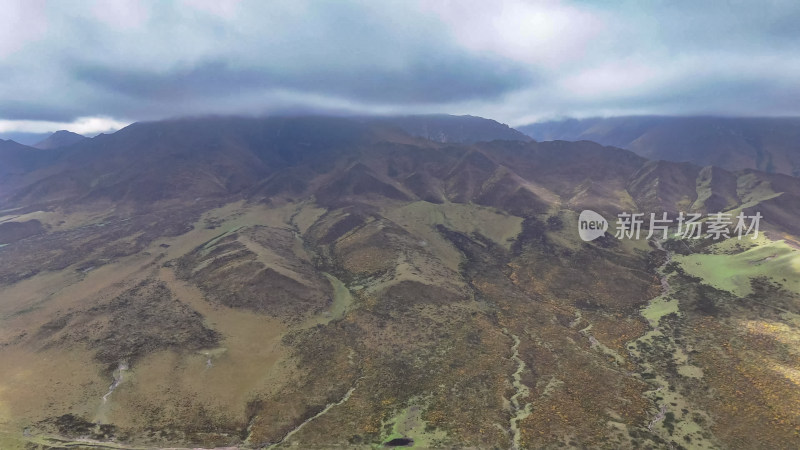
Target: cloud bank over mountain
107, 63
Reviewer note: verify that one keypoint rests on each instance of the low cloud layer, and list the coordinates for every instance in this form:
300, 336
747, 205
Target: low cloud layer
95, 66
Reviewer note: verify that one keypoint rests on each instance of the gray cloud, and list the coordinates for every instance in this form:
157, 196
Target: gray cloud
515, 61
37, 110
445, 78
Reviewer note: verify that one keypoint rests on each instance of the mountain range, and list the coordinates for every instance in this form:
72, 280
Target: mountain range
767, 144
362, 282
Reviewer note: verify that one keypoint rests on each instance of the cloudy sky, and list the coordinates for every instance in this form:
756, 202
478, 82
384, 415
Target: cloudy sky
92, 66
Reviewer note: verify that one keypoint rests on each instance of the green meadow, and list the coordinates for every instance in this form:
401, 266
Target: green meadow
726, 269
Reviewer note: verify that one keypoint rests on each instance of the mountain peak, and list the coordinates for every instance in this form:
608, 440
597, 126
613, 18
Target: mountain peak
446, 128
60, 138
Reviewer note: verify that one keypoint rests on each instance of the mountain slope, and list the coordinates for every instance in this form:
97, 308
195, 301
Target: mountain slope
767, 144
453, 129
318, 282
17, 161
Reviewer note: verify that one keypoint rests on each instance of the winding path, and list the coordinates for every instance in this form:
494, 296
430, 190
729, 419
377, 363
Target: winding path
518, 410
117, 377
666, 288
327, 408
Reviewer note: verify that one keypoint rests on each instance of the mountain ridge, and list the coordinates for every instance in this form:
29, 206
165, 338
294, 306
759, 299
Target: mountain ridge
445, 128
734, 143
202, 157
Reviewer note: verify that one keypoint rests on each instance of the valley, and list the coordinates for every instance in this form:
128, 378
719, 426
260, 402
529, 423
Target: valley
373, 288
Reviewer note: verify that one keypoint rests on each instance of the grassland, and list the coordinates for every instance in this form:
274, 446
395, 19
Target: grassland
728, 269
726, 326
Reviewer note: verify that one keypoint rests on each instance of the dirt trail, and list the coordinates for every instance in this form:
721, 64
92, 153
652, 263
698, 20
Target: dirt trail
117, 378
118, 375
518, 410
659, 417
665, 288
327, 408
